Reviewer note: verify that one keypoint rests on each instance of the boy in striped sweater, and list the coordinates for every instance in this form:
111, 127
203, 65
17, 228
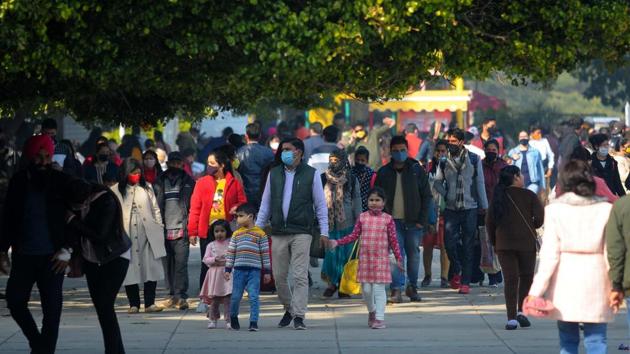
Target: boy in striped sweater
247, 256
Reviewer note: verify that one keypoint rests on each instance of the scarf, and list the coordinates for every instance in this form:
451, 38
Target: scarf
336, 178
364, 175
459, 164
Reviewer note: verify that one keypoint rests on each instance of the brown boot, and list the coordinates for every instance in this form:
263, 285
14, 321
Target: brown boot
396, 296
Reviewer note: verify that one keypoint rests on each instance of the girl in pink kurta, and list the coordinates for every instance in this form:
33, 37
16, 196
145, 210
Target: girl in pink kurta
376, 232
216, 289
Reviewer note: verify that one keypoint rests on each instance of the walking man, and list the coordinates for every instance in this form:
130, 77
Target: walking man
33, 227
461, 184
254, 158
173, 190
293, 199
406, 186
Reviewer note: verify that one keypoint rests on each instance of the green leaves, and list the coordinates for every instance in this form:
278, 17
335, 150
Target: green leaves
144, 61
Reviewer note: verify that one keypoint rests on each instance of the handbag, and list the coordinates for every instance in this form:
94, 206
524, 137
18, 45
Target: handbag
316, 250
349, 284
534, 234
489, 262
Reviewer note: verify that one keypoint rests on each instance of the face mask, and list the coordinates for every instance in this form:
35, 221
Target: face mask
103, 157
274, 146
523, 142
399, 156
628, 150
491, 156
359, 166
235, 164
492, 130
212, 170
336, 167
536, 136
602, 151
149, 163
454, 149
133, 179
287, 158
442, 158
360, 134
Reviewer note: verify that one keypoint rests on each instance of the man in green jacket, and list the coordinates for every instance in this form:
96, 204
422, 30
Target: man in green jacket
618, 247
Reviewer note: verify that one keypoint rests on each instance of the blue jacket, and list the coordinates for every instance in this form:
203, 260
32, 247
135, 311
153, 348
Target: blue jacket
534, 163
254, 158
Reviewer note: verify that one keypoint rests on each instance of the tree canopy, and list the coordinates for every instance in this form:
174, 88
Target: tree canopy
612, 85
146, 60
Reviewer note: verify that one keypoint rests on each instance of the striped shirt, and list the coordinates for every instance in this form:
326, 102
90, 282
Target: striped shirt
249, 248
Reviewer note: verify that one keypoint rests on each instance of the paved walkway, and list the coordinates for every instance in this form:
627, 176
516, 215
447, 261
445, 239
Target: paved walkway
444, 322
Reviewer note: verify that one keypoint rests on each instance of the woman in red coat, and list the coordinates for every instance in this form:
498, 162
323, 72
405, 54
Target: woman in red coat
216, 196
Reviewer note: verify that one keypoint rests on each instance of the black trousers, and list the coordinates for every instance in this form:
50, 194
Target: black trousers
104, 283
176, 267
26, 271
133, 294
203, 244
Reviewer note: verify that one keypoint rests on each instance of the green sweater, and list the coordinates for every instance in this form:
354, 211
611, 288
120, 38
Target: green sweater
618, 244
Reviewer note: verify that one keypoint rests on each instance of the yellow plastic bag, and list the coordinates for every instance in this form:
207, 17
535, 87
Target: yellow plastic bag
349, 284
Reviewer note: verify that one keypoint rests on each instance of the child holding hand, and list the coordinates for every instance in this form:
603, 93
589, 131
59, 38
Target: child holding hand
216, 290
376, 232
247, 257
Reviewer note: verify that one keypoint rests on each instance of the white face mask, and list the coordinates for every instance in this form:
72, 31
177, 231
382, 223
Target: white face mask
274, 146
149, 163
602, 151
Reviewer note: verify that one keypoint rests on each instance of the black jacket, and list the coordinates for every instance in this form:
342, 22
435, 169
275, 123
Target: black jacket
416, 190
185, 193
103, 226
610, 173
53, 184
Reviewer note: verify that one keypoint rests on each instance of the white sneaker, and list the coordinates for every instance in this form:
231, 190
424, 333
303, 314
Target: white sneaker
202, 307
212, 324
227, 325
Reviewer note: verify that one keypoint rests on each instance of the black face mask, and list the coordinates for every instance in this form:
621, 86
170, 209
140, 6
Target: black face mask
492, 130
454, 149
491, 156
523, 142
39, 174
103, 157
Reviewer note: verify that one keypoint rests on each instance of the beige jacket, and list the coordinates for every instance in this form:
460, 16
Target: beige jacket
573, 269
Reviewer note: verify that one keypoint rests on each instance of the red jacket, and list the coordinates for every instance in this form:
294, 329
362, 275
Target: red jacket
491, 174
414, 142
201, 203
478, 142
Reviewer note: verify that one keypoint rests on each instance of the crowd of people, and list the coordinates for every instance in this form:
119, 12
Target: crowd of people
263, 210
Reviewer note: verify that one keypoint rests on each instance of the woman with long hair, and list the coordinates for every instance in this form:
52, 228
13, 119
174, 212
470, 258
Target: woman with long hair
143, 223
151, 167
216, 196
343, 198
514, 215
572, 284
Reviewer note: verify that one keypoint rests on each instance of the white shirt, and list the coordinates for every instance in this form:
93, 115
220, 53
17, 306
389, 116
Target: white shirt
544, 148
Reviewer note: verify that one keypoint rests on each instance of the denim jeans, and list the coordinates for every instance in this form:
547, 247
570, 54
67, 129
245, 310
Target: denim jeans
460, 224
409, 238
594, 337
628, 314
176, 267
245, 279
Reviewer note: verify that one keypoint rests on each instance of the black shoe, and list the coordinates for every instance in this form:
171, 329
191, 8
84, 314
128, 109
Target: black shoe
426, 281
298, 323
444, 283
234, 323
253, 326
343, 296
329, 292
412, 294
286, 320
510, 327
523, 321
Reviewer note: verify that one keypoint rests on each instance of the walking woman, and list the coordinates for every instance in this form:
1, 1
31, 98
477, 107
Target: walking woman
95, 223
101, 166
150, 166
572, 283
143, 223
343, 198
514, 215
215, 197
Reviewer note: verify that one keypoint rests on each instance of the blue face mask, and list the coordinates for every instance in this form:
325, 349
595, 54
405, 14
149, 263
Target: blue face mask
399, 156
287, 157
443, 158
